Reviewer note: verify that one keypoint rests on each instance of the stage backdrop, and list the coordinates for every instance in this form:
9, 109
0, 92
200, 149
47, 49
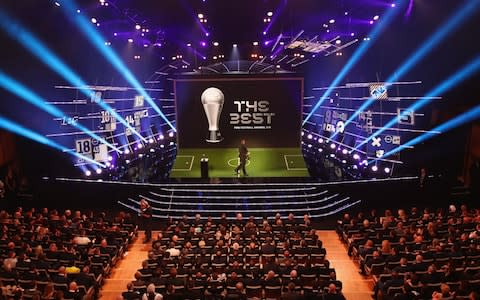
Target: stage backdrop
264, 111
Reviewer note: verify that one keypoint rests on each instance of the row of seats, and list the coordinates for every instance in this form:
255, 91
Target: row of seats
207, 259
417, 253
45, 254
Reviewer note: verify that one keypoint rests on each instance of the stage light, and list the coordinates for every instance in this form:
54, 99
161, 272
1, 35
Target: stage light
235, 45
387, 170
189, 45
145, 45
453, 22
376, 17
215, 44
57, 4
355, 167
352, 34
393, 5
364, 162
309, 145
374, 168
109, 158
152, 150
127, 151
150, 141
371, 22
97, 40
338, 42
93, 20
18, 129
320, 140
333, 146
200, 16
207, 33
15, 87
162, 146
269, 13
88, 173
138, 27
78, 11
127, 161
161, 137
130, 40
140, 155
346, 13
255, 43
309, 136
139, 146
344, 161
345, 151
264, 33
356, 156
171, 143
320, 150
108, 164
107, 43
354, 59
115, 34
332, 155
170, 134
331, 21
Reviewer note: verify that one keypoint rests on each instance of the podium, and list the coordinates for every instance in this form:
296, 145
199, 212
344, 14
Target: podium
204, 167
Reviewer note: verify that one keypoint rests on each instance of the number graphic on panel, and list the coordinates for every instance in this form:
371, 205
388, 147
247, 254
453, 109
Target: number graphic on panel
84, 146
105, 116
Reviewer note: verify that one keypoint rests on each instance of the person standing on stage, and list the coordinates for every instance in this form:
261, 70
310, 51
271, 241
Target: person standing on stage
146, 216
243, 155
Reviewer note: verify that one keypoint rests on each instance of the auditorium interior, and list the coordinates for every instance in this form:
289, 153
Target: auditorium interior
261, 150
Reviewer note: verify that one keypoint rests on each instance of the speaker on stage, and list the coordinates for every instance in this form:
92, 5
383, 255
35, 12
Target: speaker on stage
204, 167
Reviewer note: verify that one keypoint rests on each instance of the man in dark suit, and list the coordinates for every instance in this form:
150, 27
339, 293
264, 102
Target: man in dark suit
146, 217
243, 156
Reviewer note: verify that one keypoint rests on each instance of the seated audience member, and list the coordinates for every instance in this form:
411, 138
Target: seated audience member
332, 293
151, 294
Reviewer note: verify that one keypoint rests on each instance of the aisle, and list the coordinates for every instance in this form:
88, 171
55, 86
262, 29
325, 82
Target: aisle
355, 286
125, 269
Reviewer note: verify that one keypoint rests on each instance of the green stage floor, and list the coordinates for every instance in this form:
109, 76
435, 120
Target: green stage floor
264, 162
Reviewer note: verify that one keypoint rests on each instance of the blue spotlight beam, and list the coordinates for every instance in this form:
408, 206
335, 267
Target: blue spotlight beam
464, 118
34, 136
37, 48
28, 95
460, 16
358, 54
99, 42
468, 70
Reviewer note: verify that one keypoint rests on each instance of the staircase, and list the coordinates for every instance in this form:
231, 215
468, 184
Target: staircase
264, 199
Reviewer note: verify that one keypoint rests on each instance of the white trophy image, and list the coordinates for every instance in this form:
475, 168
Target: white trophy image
212, 100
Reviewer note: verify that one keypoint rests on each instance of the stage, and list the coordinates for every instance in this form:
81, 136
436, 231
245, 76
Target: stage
264, 162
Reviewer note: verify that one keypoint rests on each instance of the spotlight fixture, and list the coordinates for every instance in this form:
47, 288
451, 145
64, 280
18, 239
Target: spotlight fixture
98, 171
200, 16
374, 168
170, 134
255, 43
356, 156
345, 151
333, 146
110, 158
150, 141
269, 14
127, 151
376, 17
387, 170
215, 44
235, 45
88, 173
309, 136
138, 27
94, 20
130, 40
331, 21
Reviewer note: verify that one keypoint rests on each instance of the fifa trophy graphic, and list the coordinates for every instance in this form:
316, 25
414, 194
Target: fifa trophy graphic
212, 100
